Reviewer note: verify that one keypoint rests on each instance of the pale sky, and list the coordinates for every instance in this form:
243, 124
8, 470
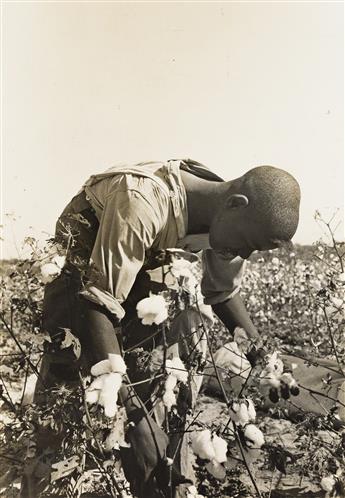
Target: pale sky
232, 85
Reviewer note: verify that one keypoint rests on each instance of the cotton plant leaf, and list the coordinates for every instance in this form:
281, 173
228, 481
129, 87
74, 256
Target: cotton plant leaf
71, 340
64, 468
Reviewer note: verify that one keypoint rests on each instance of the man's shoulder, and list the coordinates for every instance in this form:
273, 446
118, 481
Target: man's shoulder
199, 169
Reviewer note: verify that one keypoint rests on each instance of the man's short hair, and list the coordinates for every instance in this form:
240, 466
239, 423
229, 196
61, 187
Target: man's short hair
274, 198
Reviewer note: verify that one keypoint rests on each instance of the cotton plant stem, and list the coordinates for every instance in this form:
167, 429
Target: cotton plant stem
228, 405
329, 328
25, 382
9, 400
252, 478
99, 447
312, 391
10, 331
340, 256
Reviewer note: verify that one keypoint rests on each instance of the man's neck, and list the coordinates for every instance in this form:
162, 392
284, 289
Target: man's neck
204, 199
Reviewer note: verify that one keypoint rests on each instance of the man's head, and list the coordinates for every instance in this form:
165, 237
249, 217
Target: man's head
260, 211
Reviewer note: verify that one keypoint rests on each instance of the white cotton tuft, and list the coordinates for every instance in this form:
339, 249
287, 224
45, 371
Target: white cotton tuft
100, 368
109, 393
181, 267
328, 483
97, 383
220, 447
243, 417
49, 271
251, 410
202, 445
288, 379
59, 261
153, 309
170, 382
275, 364
169, 399
192, 490
254, 437
117, 363
91, 397
177, 368
269, 379
239, 413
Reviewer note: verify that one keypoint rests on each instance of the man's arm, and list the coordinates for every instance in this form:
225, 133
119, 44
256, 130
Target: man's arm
233, 313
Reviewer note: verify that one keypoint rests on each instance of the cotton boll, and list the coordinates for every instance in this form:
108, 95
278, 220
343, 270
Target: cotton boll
235, 406
242, 414
97, 383
239, 413
169, 399
153, 309
92, 397
251, 410
275, 364
49, 271
192, 490
202, 445
254, 437
109, 393
100, 368
117, 363
176, 367
328, 483
59, 261
170, 382
220, 447
288, 379
269, 379
109, 404
181, 267
216, 469
234, 412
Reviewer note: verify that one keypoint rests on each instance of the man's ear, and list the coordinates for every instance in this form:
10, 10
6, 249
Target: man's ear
237, 200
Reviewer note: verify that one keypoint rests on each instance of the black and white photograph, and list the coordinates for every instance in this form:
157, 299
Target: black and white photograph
172, 320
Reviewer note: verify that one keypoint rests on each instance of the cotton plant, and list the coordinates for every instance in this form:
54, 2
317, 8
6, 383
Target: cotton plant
177, 372
333, 485
105, 387
242, 412
152, 310
192, 492
208, 446
274, 378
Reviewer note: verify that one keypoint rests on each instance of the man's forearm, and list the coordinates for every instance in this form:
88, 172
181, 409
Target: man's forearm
233, 314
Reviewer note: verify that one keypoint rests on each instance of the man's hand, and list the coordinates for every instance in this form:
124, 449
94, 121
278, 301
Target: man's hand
277, 380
